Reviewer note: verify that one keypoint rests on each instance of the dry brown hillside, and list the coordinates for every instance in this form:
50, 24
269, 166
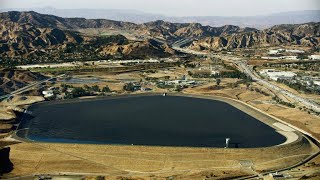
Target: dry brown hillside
11, 80
30, 37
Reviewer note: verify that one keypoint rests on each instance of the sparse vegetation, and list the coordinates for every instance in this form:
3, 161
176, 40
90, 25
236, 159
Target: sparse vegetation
77, 92
129, 87
278, 100
106, 89
306, 88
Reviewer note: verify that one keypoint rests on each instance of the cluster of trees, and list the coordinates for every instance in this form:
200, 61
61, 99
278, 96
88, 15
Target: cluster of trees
200, 74
163, 85
302, 56
224, 74
309, 111
231, 74
65, 87
178, 88
310, 66
190, 65
259, 91
107, 40
94, 88
278, 100
312, 89
130, 87
8, 63
83, 91
77, 92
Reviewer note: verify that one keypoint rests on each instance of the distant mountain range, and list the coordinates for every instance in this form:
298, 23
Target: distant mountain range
259, 22
30, 37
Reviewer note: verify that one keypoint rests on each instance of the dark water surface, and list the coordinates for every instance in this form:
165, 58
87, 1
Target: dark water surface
147, 120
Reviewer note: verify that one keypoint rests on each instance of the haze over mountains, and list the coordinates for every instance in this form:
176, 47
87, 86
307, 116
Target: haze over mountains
259, 22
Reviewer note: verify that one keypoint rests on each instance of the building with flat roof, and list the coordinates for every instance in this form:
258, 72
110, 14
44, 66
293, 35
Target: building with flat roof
278, 51
314, 57
275, 75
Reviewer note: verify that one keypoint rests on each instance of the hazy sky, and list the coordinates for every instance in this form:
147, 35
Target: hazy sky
176, 7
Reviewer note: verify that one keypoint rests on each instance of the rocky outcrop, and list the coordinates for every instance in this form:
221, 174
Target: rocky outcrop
21, 39
173, 31
145, 49
302, 34
159, 28
30, 37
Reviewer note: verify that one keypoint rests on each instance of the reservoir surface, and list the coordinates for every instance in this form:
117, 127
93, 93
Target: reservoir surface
147, 120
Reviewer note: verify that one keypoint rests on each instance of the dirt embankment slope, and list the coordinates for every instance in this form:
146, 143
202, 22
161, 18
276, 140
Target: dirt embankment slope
301, 119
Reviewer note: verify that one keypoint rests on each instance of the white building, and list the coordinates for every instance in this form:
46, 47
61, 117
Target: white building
47, 94
316, 83
275, 75
181, 82
269, 57
273, 52
289, 57
281, 57
265, 71
314, 57
294, 51
277, 51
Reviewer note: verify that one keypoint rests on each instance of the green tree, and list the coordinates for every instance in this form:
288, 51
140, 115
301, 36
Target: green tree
218, 81
106, 89
76, 92
129, 87
95, 88
302, 56
86, 87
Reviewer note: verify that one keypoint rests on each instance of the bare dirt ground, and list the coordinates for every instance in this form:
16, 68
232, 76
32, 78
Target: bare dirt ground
146, 161
301, 119
8, 111
17, 103
310, 170
138, 163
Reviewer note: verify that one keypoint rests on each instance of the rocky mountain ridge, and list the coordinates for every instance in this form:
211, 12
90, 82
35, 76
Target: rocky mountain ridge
307, 35
32, 37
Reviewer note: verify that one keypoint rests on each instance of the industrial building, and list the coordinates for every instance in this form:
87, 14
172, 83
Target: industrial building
314, 57
275, 75
278, 51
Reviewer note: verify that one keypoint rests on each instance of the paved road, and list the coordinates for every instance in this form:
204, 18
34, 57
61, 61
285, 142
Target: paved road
28, 87
178, 44
242, 65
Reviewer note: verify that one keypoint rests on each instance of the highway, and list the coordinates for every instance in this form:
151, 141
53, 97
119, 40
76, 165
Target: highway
28, 87
177, 46
243, 67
